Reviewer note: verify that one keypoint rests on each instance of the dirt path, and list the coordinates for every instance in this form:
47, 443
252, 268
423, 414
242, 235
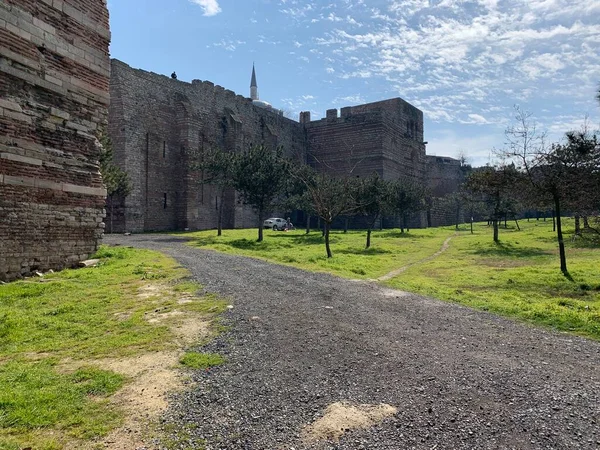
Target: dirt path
318, 362
395, 273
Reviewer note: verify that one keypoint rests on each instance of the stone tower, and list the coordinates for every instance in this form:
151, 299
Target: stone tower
253, 85
54, 95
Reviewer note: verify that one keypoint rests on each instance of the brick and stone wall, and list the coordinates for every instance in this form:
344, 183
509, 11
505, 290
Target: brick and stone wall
158, 125
384, 137
444, 176
54, 79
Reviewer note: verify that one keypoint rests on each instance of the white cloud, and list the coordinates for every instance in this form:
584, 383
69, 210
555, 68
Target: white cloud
210, 7
476, 118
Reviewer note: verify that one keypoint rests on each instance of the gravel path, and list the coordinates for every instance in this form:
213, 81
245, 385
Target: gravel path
460, 379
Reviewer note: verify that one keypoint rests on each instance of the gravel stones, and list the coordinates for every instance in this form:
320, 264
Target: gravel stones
300, 342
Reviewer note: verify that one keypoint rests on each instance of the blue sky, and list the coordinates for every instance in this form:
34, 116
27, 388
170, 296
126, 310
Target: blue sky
464, 63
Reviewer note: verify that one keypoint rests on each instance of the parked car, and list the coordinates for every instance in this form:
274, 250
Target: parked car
276, 223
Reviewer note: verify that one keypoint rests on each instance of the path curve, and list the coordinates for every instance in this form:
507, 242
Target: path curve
395, 273
300, 342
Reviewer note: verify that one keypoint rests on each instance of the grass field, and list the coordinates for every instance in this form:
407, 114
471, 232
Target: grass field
519, 277
54, 329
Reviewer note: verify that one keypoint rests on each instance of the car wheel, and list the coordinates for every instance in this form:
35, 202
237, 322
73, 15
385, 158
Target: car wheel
274, 227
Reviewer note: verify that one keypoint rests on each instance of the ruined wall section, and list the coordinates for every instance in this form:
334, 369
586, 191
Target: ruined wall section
153, 115
55, 70
385, 136
444, 176
346, 145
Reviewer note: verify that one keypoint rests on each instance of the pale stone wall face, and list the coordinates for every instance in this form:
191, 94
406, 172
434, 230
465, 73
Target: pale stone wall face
54, 79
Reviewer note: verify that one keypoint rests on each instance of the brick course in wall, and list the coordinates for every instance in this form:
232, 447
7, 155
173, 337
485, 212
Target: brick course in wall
54, 79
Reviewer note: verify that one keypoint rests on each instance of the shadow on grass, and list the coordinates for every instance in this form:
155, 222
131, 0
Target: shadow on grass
364, 251
397, 234
509, 250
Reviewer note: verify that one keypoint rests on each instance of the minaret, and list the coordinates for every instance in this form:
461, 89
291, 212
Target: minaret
253, 86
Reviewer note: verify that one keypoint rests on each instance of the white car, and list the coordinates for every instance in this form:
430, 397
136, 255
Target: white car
276, 223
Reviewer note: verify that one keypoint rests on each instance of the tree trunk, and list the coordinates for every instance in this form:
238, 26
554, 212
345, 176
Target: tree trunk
517, 222
471, 224
505, 223
220, 216
326, 229
586, 223
307, 223
345, 225
457, 216
260, 225
371, 226
112, 213
553, 221
561, 243
495, 224
577, 225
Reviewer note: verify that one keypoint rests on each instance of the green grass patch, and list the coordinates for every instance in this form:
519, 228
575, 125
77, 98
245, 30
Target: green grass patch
389, 250
78, 316
195, 360
519, 277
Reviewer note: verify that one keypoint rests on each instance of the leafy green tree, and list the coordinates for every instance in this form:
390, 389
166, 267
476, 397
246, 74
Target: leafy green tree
568, 174
374, 197
259, 176
296, 191
496, 187
115, 179
406, 198
565, 174
217, 169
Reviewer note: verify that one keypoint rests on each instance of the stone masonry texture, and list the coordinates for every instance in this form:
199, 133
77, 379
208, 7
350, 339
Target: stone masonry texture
54, 95
160, 125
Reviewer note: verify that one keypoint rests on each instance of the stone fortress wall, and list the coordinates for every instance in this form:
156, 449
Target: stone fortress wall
54, 94
159, 125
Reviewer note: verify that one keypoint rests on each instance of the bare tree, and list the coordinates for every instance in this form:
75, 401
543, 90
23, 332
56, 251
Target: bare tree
329, 196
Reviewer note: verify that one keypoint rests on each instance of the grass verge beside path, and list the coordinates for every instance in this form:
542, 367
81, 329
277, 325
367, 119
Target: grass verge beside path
53, 330
390, 249
519, 277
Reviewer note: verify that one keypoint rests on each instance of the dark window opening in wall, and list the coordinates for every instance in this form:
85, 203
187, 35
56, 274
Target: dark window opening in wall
164, 149
165, 200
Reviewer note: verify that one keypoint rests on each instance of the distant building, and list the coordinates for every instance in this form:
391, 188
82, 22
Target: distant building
159, 125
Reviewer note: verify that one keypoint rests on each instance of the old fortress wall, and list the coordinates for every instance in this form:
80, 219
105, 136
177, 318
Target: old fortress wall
160, 125
54, 94
56, 84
